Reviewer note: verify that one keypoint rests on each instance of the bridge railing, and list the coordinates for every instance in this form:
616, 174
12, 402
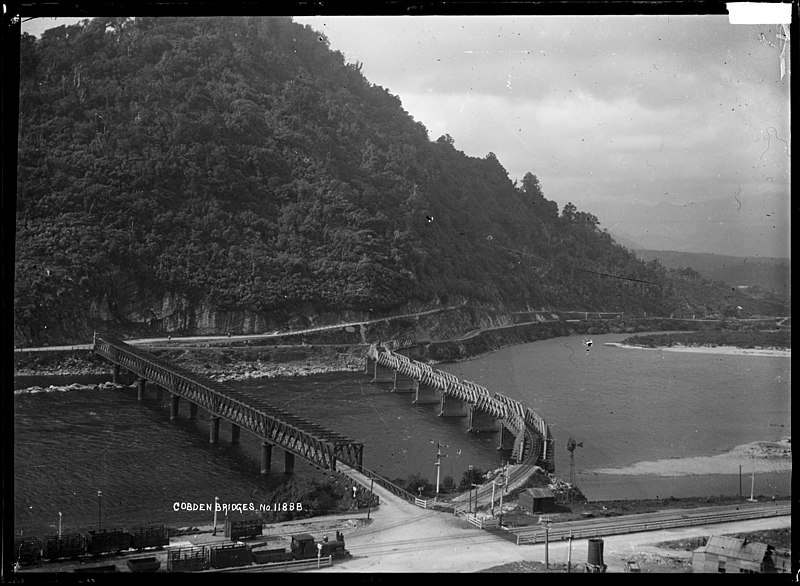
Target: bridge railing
388, 485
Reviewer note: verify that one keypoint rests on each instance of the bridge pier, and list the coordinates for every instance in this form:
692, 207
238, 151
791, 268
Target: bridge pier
452, 407
192, 410
382, 374
115, 373
213, 435
506, 438
173, 411
481, 421
266, 457
369, 365
140, 385
426, 395
404, 384
288, 462
234, 433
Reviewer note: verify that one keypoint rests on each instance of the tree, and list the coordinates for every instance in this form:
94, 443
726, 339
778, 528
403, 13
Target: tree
446, 139
531, 187
568, 213
471, 476
448, 484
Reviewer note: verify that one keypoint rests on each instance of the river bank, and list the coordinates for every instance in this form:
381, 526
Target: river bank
756, 457
729, 350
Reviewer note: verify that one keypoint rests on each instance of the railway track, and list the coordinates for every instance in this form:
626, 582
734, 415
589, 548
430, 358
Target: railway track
644, 522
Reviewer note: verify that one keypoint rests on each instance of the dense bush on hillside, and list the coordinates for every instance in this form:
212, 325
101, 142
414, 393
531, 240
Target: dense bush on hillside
238, 164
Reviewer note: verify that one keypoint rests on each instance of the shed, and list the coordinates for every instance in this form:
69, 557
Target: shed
731, 555
538, 500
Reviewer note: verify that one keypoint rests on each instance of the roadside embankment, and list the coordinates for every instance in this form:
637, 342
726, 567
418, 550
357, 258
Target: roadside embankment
446, 337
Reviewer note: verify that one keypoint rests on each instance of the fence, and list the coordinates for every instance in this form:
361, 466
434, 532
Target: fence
426, 503
297, 565
390, 486
487, 523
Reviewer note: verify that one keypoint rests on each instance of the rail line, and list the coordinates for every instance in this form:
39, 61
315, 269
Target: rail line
645, 522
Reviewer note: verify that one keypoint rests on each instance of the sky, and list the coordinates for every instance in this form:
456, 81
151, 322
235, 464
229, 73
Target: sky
616, 114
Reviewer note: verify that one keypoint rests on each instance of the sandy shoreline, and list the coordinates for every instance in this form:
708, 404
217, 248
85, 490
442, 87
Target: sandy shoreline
730, 350
756, 457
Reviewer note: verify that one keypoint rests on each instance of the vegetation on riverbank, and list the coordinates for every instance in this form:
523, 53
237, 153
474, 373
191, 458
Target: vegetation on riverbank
739, 338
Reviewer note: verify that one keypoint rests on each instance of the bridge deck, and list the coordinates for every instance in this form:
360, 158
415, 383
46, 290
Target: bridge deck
312, 442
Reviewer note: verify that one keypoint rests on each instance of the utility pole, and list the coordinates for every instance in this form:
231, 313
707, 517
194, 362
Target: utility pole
752, 484
99, 510
503, 488
216, 506
369, 504
439, 457
546, 522
569, 555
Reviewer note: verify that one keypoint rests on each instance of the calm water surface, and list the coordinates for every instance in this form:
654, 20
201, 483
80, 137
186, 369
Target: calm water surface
625, 405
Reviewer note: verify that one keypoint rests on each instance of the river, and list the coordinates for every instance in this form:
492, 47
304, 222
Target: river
625, 406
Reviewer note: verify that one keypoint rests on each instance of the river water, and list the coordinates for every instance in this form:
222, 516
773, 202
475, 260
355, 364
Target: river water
625, 405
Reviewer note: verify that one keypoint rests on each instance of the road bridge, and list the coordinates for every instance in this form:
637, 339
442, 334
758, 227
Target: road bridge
520, 429
294, 435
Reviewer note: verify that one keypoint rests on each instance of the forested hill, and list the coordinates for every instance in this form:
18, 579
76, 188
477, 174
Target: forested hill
211, 174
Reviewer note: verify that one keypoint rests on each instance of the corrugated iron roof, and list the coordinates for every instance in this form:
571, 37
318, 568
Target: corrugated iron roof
735, 548
540, 493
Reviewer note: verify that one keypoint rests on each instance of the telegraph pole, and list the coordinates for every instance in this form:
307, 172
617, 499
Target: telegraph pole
503, 488
369, 504
569, 555
439, 456
546, 522
216, 505
99, 510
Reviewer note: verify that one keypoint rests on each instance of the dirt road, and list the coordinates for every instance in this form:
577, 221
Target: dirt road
403, 538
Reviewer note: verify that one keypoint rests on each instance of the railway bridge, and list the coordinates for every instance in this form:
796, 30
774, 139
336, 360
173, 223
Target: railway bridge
294, 435
521, 429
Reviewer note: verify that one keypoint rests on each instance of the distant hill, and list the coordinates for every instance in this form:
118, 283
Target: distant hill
773, 274
745, 225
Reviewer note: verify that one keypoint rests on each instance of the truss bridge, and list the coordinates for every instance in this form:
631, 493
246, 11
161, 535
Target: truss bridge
292, 434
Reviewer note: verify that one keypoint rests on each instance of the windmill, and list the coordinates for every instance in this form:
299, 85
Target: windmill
571, 445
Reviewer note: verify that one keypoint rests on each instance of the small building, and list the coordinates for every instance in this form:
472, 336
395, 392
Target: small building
726, 555
538, 500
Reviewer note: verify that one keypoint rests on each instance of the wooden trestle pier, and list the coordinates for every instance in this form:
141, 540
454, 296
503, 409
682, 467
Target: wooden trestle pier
294, 435
520, 429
